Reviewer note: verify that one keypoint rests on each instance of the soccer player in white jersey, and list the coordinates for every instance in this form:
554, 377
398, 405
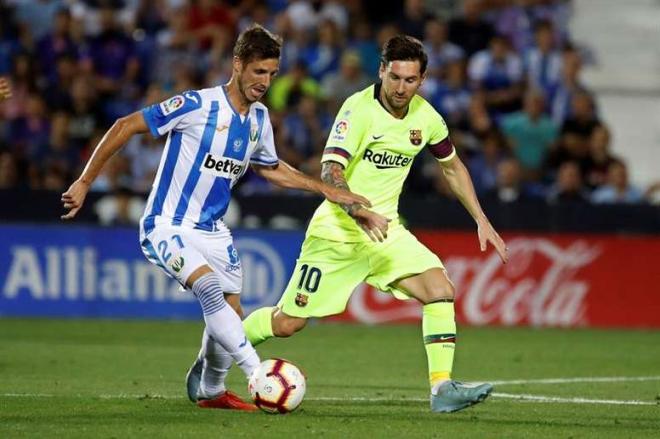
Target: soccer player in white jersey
212, 136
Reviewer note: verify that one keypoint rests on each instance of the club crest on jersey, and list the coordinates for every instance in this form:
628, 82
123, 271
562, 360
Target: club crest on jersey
254, 135
238, 144
172, 104
177, 264
416, 137
340, 130
301, 300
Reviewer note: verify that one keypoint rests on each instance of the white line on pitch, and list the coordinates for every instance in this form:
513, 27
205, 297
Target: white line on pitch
518, 397
576, 380
540, 398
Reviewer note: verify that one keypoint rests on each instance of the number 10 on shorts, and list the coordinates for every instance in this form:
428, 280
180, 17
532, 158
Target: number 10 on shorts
310, 277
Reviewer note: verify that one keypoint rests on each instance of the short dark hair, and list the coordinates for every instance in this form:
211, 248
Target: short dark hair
404, 48
257, 43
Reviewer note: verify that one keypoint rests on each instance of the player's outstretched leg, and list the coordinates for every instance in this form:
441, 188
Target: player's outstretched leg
207, 374
206, 377
223, 324
434, 289
439, 329
270, 322
226, 341
258, 325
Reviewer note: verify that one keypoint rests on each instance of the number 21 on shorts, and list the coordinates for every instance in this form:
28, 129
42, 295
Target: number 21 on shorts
162, 248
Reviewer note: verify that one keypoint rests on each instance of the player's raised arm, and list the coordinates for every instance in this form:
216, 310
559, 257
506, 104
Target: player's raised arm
112, 141
373, 224
460, 183
284, 175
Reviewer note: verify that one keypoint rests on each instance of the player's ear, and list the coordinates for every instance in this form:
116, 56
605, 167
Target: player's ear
423, 78
381, 71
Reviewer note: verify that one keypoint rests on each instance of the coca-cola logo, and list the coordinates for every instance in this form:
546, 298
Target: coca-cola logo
539, 286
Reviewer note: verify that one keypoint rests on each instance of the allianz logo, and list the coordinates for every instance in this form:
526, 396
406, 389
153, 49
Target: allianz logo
82, 274
71, 273
265, 273
386, 160
222, 166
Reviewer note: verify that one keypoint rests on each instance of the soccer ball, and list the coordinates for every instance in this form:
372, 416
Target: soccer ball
277, 386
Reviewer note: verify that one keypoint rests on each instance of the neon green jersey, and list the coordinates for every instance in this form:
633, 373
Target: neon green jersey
376, 150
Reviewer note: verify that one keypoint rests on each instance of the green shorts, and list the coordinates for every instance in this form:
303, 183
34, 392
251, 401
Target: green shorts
327, 272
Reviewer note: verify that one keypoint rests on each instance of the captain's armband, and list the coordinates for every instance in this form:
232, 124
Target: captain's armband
443, 150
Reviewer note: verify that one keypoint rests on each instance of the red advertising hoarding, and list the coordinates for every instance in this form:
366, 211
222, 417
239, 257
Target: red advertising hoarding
550, 280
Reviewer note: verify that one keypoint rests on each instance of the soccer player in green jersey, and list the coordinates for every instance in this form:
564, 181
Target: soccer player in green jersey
376, 135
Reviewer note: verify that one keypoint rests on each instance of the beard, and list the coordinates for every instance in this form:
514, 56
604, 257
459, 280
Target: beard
241, 88
396, 104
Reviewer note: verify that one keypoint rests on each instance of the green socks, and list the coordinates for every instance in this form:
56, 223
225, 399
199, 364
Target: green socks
439, 330
258, 325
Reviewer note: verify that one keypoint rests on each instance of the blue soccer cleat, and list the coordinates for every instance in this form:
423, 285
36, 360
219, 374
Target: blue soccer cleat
453, 396
193, 379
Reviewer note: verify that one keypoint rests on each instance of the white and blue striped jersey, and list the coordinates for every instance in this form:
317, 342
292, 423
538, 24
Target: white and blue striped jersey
209, 147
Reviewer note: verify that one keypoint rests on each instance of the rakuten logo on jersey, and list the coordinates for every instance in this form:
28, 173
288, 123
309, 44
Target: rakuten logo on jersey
222, 166
385, 160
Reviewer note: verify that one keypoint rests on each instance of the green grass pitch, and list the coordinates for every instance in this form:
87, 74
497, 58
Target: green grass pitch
119, 379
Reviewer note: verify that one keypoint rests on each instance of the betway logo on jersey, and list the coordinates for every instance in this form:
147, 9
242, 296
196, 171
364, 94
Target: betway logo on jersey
222, 166
386, 160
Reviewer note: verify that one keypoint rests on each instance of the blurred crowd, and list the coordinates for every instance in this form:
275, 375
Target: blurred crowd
504, 74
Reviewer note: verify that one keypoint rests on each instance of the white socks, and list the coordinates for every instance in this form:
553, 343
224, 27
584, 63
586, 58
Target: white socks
217, 362
224, 327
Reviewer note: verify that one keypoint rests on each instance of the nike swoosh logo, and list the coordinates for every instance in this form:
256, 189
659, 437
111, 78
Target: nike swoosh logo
378, 137
243, 344
440, 339
221, 129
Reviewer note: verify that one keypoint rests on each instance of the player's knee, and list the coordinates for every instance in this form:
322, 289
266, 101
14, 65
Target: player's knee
440, 291
286, 326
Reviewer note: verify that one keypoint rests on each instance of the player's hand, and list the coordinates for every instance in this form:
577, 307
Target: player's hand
488, 234
342, 196
5, 90
374, 224
74, 197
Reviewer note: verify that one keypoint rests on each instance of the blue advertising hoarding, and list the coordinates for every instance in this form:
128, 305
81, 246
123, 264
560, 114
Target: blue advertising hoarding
101, 272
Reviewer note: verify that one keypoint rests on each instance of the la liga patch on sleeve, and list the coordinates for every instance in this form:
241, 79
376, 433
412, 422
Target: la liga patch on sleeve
340, 129
172, 104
